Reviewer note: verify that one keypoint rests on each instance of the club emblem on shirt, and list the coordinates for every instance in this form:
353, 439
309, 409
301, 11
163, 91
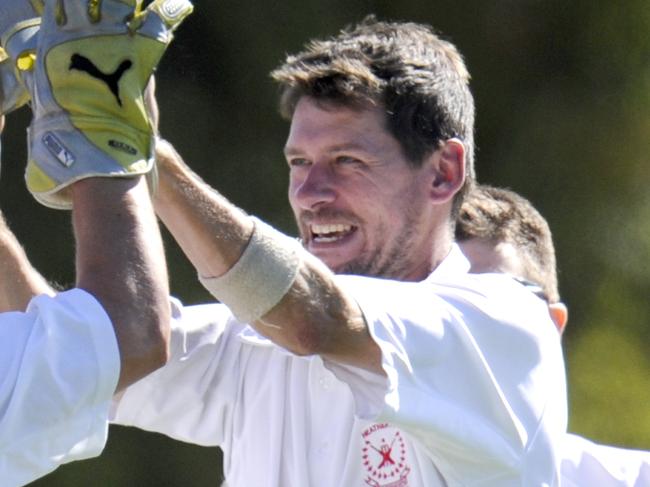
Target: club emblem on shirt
384, 457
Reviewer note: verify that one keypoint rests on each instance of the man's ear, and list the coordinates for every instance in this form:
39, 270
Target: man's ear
448, 164
559, 314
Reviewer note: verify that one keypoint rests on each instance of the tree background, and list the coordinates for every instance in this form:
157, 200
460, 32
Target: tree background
563, 101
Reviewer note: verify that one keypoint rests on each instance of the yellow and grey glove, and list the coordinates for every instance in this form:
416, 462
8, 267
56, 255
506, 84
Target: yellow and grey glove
19, 24
93, 62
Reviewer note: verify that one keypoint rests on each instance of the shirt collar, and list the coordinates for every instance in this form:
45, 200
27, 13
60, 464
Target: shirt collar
454, 264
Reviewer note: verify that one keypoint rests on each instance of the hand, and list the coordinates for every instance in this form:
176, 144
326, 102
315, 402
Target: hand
93, 63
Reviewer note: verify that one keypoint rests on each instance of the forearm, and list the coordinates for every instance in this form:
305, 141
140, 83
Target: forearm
316, 317
212, 232
19, 281
120, 261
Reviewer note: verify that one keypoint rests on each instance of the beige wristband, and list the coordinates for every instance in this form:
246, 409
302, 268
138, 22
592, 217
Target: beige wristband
262, 275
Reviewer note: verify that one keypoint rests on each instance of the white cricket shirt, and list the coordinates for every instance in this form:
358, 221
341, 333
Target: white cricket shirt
59, 366
475, 394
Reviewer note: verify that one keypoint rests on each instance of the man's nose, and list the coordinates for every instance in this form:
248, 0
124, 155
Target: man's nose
316, 188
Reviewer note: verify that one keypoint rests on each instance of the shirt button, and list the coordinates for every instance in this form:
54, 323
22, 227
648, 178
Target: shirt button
325, 382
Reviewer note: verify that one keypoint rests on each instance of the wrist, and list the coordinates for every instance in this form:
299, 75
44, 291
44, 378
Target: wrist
174, 176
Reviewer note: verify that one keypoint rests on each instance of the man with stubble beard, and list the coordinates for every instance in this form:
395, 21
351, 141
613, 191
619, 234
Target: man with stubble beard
368, 355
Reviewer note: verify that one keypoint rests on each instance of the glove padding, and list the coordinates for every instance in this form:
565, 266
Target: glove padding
93, 62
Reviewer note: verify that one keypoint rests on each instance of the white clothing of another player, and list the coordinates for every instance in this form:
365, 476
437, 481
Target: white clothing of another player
59, 366
501, 232
453, 406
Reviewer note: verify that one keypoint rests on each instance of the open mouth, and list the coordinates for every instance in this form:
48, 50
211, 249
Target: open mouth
330, 233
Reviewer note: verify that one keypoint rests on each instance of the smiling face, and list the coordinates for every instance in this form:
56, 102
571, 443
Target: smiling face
359, 206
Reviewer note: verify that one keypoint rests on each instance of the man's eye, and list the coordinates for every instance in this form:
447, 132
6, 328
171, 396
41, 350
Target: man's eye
298, 162
347, 160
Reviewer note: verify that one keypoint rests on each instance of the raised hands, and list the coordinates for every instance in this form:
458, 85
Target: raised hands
86, 79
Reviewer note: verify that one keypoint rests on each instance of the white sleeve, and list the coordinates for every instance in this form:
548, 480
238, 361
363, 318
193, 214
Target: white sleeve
59, 367
477, 379
188, 398
588, 463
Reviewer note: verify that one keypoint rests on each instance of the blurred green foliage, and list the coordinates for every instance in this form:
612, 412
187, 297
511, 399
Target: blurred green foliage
563, 102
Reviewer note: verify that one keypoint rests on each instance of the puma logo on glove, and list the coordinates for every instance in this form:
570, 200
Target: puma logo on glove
82, 63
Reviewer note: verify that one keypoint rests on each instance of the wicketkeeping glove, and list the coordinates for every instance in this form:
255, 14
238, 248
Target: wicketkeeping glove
19, 24
93, 62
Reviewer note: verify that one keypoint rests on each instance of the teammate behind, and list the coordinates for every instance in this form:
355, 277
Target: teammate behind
500, 231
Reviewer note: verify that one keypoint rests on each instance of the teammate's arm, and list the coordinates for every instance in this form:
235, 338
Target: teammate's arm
120, 261
119, 252
19, 281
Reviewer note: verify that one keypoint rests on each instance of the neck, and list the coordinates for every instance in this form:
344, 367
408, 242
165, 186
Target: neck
440, 247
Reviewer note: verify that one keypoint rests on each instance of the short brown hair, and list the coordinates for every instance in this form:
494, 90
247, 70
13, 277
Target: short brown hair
499, 215
420, 79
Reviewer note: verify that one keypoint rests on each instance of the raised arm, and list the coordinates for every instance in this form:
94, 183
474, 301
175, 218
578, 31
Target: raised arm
90, 145
19, 281
314, 316
120, 261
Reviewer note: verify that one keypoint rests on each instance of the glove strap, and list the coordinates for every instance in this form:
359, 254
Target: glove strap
21, 37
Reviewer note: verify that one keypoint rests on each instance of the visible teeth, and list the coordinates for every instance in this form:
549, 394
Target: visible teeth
329, 233
326, 239
323, 230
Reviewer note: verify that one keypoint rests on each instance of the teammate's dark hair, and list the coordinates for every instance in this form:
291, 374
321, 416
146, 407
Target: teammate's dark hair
498, 215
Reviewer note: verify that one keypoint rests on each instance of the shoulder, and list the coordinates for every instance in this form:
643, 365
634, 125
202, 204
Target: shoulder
479, 286
490, 286
490, 311
495, 295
